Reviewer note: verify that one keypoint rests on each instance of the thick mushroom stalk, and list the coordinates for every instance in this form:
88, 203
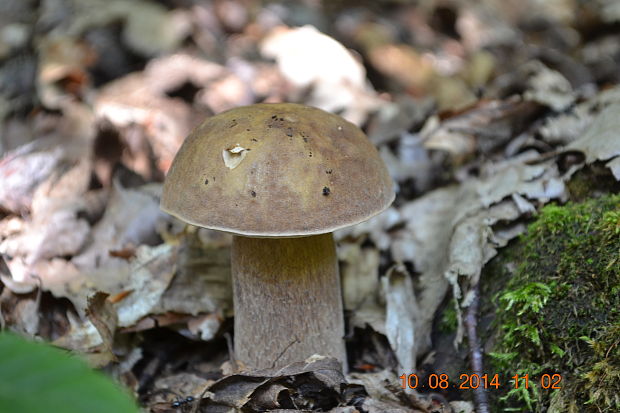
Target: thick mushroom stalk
287, 300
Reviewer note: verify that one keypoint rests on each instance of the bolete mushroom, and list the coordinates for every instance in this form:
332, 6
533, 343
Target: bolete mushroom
281, 178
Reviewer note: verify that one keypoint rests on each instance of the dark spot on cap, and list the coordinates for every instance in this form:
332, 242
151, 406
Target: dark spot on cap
326, 191
281, 119
248, 129
310, 154
233, 123
274, 117
206, 181
305, 139
253, 193
255, 140
289, 132
328, 171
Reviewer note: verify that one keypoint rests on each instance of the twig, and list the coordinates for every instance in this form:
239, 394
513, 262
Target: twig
38, 299
231, 352
296, 340
475, 354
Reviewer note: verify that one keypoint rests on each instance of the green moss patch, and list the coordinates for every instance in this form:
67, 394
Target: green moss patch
559, 312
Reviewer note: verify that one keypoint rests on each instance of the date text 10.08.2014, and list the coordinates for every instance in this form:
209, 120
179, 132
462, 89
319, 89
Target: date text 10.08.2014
474, 381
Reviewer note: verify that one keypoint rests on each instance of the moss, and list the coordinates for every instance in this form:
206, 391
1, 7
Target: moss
448, 322
592, 181
559, 312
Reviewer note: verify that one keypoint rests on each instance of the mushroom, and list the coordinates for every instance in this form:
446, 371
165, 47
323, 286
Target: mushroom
281, 178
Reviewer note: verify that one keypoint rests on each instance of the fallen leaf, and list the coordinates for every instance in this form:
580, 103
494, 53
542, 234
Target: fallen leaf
202, 283
483, 127
376, 228
359, 272
148, 275
386, 394
102, 315
565, 128
142, 20
131, 218
433, 221
401, 313
548, 87
20, 313
294, 386
309, 58
205, 327
600, 141
63, 68
142, 99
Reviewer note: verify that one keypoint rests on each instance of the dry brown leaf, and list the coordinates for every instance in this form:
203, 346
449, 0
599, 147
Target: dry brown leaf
462, 407
609, 10
19, 313
176, 387
396, 118
147, 276
291, 386
142, 99
54, 228
130, 219
614, 165
359, 272
63, 68
203, 281
429, 239
226, 93
309, 58
483, 127
548, 87
376, 228
405, 64
601, 140
385, 393
82, 336
401, 321
205, 327
46, 158
149, 29
472, 245
483, 25
567, 127
102, 315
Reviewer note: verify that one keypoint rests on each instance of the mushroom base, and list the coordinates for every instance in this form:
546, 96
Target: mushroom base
287, 300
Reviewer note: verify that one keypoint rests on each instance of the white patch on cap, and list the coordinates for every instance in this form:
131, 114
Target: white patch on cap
234, 156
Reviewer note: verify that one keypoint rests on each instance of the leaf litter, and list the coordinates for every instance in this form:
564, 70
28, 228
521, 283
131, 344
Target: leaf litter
478, 129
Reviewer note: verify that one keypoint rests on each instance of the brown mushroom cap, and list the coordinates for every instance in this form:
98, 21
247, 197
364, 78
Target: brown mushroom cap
276, 170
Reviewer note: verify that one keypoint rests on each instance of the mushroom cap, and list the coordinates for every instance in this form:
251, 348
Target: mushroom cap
276, 170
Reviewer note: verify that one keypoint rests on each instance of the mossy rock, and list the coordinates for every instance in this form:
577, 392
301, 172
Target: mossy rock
556, 294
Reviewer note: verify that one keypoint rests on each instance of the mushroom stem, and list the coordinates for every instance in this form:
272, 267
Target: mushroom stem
287, 299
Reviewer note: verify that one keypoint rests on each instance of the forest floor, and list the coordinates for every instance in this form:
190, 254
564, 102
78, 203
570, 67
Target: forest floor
498, 121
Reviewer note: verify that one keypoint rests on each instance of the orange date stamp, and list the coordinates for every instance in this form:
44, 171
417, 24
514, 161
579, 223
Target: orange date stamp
475, 381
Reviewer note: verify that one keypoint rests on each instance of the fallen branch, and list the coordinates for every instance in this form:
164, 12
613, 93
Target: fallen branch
475, 355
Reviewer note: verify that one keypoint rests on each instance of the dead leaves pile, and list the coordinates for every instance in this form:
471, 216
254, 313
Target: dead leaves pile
481, 114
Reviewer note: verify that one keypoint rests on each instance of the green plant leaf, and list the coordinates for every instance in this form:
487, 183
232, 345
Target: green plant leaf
38, 378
